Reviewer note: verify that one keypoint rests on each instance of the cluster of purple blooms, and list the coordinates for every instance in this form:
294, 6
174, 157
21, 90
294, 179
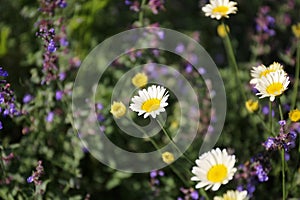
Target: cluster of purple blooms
189, 194
154, 5
7, 99
252, 172
52, 41
154, 180
35, 177
264, 22
284, 140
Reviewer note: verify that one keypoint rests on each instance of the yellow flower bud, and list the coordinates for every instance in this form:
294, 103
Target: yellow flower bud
140, 80
251, 105
167, 157
221, 30
294, 115
118, 109
296, 30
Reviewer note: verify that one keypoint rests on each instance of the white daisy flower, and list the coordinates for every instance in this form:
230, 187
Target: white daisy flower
261, 70
272, 85
233, 195
150, 102
213, 169
219, 8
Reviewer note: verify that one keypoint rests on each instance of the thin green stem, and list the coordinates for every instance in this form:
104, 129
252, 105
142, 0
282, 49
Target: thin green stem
270, 117
232, 61
282, 156
283, 174
297, 71
141, 14
203, 193
176, 147
280, 109
157, 148
2, 163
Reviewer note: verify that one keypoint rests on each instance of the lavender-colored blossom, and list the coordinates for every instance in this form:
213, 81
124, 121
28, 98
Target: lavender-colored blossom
188, 68
179, 48
30, 179
58, 95
194, 195
156, 6
265, 111
64, 42
270, 143
27, 98
51, 46
62, 76
1, 127
50, 117
3, 72
261, 174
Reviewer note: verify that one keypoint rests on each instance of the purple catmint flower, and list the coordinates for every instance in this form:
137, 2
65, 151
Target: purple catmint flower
50, 117
3, 72
51, 46
64, 42
261, 174
194, 195
188, 68
30, 179
270, 143
27, 98
58, 95
179, 48
62, 76
1, 127
153, 174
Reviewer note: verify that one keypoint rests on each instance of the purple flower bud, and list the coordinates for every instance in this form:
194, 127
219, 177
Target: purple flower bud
62, 76
161, 173
27, 98
64, 42
50, 117
179, 48
51, 46
153, 174
3, 72
1, 127
282, 122
30, 179
269, 143
194, 195
188, 68
58, 95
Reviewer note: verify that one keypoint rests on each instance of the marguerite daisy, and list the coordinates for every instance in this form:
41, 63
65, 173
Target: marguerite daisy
219, 8
261, 70
272, 85
214, 168
233, 195
150, 102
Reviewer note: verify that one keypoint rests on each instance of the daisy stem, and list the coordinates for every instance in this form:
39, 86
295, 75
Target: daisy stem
157, 148
171, 139
282, 156
283, 174
270, 117
297, 71
204, 194
232, 61
141, 14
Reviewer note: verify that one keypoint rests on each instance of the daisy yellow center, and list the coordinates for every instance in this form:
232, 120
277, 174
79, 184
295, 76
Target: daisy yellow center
217, 173
221, 10
275, 89
151, 105
267, 71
